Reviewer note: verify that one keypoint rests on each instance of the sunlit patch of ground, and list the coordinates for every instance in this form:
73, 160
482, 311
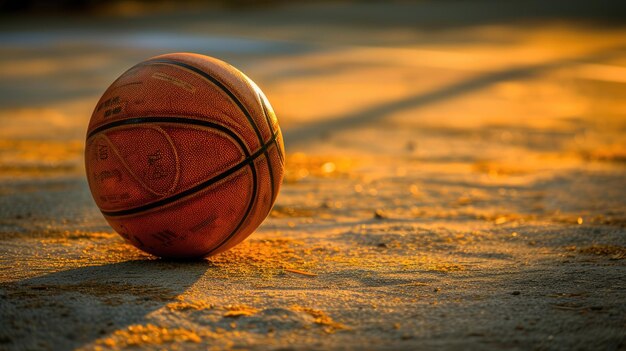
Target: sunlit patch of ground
300, 166
148, 335
39, 158
267, 257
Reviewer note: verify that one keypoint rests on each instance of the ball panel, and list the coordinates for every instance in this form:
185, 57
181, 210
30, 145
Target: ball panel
263, 108
265, 198
278, 169
142, 95
193, 226
203, 153
149, 154
236, 82
155, 154
281, 148
112, 184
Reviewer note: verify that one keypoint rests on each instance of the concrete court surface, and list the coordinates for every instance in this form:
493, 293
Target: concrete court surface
456, 179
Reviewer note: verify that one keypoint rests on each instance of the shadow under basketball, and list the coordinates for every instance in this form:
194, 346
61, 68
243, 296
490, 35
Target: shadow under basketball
77, 306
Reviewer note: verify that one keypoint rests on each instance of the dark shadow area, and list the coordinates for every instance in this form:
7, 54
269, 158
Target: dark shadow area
95, 301
422, 14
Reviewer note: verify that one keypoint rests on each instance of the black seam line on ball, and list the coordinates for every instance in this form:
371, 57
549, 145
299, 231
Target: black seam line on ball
267, 156
251, 203
246, 162
219, 84
175, 120
180, 120
243, 219
271, 173
269, 124
234, 98
239, 104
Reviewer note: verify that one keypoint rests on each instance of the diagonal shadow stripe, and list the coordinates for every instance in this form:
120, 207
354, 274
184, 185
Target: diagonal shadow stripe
308, 132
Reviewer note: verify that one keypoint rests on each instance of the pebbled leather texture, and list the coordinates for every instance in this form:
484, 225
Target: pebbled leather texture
184, 155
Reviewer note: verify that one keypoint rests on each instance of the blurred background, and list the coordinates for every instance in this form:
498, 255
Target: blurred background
546, 76
472, 88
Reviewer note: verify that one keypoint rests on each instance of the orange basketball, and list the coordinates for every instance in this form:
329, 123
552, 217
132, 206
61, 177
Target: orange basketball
184, 156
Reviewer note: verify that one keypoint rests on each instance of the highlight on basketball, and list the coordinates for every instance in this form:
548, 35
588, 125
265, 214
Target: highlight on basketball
302, 175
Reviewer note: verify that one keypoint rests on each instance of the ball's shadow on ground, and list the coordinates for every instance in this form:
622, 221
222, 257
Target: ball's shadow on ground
95, 301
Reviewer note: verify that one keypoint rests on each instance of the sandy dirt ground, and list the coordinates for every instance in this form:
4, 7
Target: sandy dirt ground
456, 179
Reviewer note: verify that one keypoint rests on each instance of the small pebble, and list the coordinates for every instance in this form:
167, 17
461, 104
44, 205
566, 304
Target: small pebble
410, 146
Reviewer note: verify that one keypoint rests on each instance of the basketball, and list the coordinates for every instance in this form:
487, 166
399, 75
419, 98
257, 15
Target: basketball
184, 156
